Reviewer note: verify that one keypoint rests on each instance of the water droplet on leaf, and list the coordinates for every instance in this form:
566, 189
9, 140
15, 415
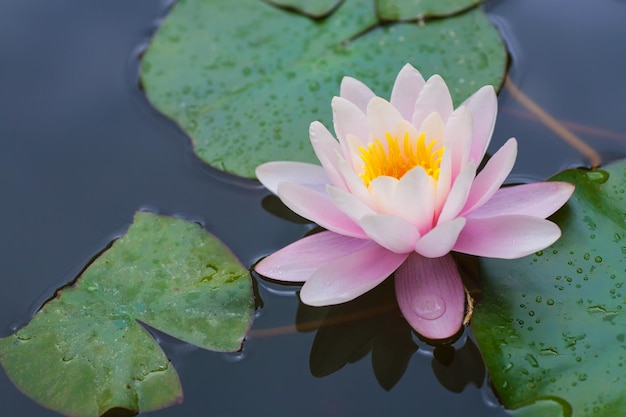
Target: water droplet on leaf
598, 176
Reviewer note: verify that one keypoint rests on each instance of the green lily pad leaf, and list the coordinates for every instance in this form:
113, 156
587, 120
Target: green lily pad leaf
245, 79
420, 9
314, 8
85, 351
552, 326
544, 408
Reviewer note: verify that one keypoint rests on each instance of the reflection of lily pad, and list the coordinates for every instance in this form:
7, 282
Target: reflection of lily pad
419, 9
552, 326
84, 352
457, 368
245, 79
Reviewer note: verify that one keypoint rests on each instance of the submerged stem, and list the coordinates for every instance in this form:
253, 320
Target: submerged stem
318, 324
553, 124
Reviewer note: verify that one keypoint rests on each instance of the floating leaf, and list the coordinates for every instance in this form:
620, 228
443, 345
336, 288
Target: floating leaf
84, 352
552, 326
245, 79
314, 8
419, 9
544, 408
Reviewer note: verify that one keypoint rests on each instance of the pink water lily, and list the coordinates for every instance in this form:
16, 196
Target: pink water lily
397, 191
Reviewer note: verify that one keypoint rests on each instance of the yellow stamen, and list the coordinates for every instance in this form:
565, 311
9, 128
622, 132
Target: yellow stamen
395, 161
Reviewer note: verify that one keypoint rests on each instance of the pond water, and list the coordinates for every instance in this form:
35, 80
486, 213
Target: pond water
82, 150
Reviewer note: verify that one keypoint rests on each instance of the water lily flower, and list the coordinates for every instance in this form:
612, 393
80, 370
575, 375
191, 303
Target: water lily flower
397, 191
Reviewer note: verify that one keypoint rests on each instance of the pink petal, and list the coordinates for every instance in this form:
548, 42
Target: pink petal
353, 181
349, 120
406, 88
349, 204
458, 138
492, 176
434, 97
405, 127
506, 237
309, 175
391, 232
434, 127
539, 199
444, 182
414, 199
354, 145
483, 105
458, 194
318, 208
326, 149
382, 190
382, 117
441, 239
431, 296
350, 276
298, 261
356, 92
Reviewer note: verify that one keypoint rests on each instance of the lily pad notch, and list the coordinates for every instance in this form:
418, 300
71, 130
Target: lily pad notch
245, 79
84, 352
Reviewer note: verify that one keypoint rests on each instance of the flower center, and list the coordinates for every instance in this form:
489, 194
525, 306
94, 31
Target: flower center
397, 158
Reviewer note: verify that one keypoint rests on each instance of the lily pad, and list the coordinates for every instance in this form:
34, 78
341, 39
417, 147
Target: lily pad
551, 326
85, 351
420, 9
245, 79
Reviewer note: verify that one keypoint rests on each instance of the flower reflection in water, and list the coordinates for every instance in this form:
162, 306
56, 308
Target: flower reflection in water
373, 324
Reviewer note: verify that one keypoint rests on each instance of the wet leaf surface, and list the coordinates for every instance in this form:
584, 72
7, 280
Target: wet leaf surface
315, 8
551, 325
85, 351
245, 79
420, 9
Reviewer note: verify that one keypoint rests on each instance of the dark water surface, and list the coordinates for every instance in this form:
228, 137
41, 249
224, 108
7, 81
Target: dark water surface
82, 150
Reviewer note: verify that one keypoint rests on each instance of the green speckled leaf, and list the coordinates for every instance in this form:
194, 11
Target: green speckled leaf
552, 326
84, 352
420, 9
313, 8
245, 79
